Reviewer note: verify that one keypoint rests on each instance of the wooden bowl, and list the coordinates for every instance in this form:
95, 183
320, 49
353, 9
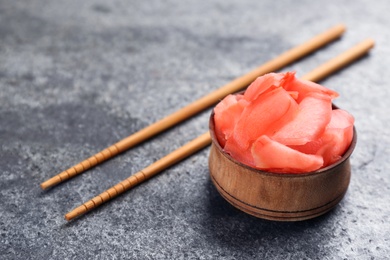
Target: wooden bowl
278, 196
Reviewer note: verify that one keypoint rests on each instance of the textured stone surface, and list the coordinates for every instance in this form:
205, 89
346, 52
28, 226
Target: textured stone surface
76, 76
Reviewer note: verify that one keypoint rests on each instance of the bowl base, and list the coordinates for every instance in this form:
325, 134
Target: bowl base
268, 214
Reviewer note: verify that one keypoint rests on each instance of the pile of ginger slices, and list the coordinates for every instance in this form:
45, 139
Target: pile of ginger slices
283, 124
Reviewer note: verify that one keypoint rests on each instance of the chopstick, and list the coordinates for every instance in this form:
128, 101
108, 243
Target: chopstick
197, 106
204, 140
340, 61
141, 176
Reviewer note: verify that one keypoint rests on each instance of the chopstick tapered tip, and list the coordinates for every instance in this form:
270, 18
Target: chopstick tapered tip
76, 212
45, 185
68, 217
340, 27
50, 182
370, 43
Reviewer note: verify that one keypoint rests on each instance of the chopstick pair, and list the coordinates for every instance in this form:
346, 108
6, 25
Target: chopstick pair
197, 106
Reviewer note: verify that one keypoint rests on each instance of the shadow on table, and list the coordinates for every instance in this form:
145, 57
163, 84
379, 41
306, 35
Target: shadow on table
235, 229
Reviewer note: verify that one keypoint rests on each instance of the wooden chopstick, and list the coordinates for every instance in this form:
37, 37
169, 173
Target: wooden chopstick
148, 172
199, 105
340, 61
204, 140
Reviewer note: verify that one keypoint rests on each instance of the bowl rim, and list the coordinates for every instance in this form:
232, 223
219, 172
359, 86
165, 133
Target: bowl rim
323, 170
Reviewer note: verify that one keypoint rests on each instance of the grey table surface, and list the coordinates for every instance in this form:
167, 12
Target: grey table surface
77, 76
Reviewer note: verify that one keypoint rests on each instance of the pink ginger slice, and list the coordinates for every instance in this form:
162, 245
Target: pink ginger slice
269, 154
337, 136
226, 115
305, 87
262, 84
310, 122
262, 115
